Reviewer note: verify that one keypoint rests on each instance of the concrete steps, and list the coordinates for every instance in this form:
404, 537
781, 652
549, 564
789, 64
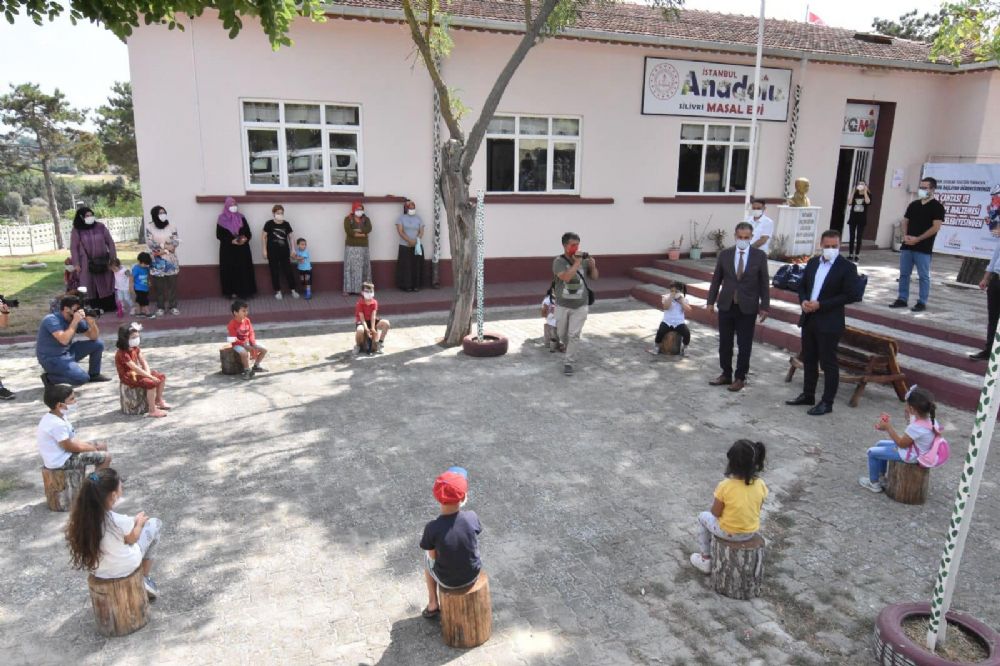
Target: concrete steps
931, 357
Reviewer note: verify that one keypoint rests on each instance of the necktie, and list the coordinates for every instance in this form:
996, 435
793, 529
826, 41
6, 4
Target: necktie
740, 266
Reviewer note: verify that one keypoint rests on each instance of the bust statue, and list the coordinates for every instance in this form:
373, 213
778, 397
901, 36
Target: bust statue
800, 198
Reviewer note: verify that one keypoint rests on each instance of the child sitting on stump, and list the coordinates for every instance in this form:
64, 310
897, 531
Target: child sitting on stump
109, 544
907, 447
450, 541
735, 514
244, 341
675, 306
133, 370
370, 331
57, 440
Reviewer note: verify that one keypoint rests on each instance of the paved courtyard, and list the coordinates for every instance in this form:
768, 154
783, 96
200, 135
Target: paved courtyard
293, 505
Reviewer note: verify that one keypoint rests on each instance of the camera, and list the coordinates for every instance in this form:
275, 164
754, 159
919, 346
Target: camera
92, 312
583, 255
9, 302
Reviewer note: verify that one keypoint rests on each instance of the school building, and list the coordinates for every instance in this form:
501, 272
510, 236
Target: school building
624, 129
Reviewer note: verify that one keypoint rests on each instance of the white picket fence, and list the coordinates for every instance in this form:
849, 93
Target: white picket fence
34, 238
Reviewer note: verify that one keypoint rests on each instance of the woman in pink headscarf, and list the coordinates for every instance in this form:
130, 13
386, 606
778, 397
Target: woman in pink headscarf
235, 259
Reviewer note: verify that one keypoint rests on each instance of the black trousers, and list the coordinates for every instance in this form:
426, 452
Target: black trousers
279, 262
819, 350
684, 331
732, 323
992, 307
857, 230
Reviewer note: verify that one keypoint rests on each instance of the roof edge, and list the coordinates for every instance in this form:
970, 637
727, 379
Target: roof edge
468, 22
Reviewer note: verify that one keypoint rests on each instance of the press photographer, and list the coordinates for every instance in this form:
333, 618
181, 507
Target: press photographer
57, 352
5, 306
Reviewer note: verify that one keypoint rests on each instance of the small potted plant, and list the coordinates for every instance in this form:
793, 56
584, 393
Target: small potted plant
719, 238
697, 239
674, 251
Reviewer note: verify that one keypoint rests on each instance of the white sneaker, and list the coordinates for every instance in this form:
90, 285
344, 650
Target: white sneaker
866, 483
278, 295
295, 294
174, 311
702, 564
160, 312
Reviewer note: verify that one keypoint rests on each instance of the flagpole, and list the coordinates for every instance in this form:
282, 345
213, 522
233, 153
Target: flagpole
752, 167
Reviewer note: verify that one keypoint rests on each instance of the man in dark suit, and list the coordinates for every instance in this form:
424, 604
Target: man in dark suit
740, 288
827, 286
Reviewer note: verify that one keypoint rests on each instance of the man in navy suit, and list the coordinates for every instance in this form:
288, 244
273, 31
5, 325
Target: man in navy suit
827, 286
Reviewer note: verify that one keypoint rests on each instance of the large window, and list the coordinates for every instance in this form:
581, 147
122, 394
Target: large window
301, 145
713, 158
533, 154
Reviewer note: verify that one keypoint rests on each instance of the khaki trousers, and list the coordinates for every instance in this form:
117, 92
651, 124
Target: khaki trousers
569, 325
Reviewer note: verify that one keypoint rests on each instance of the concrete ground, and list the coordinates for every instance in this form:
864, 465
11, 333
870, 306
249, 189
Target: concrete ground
293, 505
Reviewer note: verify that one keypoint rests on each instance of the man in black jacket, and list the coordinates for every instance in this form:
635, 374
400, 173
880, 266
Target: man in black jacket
827, 286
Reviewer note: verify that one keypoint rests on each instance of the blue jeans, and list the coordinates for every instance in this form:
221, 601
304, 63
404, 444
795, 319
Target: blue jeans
65, 369
907, 259
879, 457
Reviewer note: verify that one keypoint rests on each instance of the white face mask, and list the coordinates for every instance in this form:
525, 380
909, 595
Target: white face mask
69, 410
922, 193
233, 209
368, 295
278, 217
757, 213
359, 213
133, 342
89, 220
861, 188
830, 253
163, 217
742, 245
411, 211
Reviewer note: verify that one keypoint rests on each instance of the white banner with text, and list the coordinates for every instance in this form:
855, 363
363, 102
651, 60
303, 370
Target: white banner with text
972, 211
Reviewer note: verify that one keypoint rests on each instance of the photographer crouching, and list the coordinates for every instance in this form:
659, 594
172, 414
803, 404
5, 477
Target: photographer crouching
5, 305
56, 350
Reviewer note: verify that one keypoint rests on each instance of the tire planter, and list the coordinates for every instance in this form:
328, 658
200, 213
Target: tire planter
33, 265
493, 344
894, 648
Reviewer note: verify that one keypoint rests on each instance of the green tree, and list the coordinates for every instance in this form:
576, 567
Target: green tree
969, 28
919, 28
116, 130
87, 154
49, 123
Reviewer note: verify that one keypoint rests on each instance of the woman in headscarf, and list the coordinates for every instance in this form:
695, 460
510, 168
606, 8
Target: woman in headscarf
357, 261
235, 259
91, 250
162, 241
410, 264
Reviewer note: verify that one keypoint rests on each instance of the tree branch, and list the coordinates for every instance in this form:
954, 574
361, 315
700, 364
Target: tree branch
532, 30
442, 90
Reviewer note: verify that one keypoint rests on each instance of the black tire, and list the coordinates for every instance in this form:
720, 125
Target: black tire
493, 344
893, 646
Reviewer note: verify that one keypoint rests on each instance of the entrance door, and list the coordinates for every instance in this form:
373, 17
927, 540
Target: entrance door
853, 165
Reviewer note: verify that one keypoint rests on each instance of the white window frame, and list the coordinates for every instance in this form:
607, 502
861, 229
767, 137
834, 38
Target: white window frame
281, 126
705, 143
550, 150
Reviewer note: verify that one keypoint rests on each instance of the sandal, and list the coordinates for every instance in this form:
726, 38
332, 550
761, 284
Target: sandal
430, 614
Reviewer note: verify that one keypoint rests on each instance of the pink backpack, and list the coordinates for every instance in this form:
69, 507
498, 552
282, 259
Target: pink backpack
938, 454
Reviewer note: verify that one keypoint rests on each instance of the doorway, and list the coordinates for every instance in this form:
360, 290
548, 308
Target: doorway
853, 165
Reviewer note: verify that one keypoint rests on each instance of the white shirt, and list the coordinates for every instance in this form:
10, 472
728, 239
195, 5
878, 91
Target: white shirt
994, 266
118, 559
550, 305
673, 314
762, 227
53, 429
736, 260
821, 272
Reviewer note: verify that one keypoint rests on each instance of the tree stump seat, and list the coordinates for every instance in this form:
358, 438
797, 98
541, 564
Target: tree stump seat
230, 360
738, 567
121, 605
671, 344
132, 399
61, 487
467, 614
907, 483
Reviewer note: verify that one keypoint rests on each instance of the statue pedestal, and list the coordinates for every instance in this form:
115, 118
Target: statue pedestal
800, 226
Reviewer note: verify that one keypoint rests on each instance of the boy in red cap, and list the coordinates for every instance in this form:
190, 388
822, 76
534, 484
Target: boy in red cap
450, 541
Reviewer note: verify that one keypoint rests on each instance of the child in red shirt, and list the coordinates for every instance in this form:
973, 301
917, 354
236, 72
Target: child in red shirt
134, 371
370, 332
244, 342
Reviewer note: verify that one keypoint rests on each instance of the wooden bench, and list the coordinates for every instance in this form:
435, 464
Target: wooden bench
907, 483
230, 360
132, 400
61, 487
467, 614
738, 567
121, 605
864, 358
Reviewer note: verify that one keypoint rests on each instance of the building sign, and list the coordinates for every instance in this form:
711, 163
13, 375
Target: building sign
713, 90
860, 122
972, 210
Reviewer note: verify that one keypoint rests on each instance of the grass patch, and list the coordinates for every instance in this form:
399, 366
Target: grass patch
7, 485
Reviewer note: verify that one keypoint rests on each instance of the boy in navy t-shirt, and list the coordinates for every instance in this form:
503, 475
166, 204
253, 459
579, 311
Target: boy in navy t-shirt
450, 541
140, 283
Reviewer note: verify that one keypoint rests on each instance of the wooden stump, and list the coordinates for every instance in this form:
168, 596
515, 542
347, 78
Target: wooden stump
671, 344
907, 482
121, 605
738, 567
61, 487
467, 614
231, 363
133, 400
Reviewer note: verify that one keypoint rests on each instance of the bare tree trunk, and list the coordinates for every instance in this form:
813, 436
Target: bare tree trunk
50, 192
461, 214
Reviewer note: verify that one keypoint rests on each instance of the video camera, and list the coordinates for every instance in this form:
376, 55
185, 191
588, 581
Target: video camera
583, 255
94, 313
9, 302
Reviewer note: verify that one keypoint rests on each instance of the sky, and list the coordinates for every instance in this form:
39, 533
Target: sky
83, 61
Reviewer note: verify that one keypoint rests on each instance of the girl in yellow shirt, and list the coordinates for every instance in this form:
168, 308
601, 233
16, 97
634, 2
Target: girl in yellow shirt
735, 514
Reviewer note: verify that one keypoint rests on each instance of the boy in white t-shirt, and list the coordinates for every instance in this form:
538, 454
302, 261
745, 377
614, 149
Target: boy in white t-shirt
675, 306
763, 226
550, 334
57, 441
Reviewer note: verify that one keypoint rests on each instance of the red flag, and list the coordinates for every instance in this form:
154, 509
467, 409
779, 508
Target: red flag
815, 20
